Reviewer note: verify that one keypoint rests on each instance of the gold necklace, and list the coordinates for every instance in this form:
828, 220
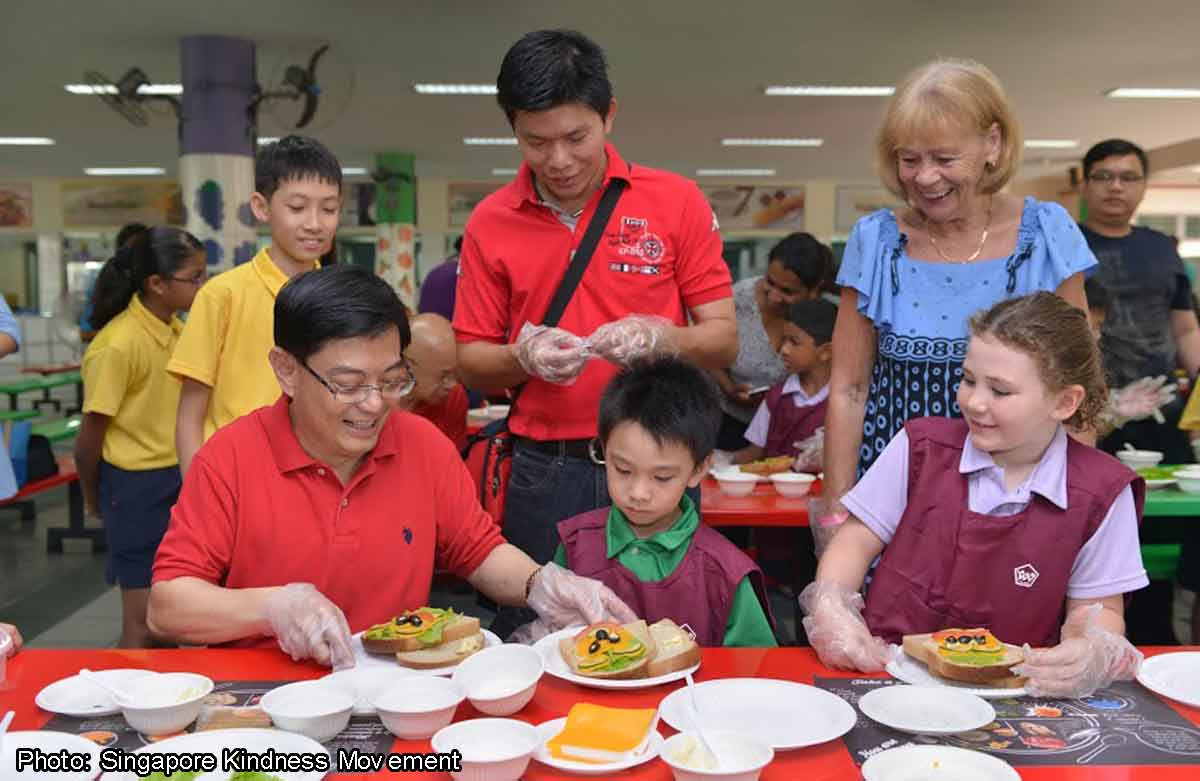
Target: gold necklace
982, 239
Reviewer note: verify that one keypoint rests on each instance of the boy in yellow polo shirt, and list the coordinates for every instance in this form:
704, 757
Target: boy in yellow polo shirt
222, 354
125, 451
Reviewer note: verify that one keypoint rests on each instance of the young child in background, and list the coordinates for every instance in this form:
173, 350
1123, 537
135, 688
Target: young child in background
125, 450
996, 520
790, 420
658, 426
222, 354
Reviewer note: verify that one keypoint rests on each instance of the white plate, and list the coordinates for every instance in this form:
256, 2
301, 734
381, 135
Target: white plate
255, 741
364, 659
557, 666
1175, 676
926, 710
909, 670
75, 696
548, 729
364, 682
936, 763
50, 743
1163, 483
782, 714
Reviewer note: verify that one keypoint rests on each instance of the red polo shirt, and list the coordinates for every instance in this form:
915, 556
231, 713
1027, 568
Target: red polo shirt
450, 416
257, 510
660, 255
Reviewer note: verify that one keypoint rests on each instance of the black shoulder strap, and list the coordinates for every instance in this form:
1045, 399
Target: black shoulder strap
595, 229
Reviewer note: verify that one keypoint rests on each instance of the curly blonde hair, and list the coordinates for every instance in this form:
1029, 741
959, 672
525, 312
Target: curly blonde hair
1056, 335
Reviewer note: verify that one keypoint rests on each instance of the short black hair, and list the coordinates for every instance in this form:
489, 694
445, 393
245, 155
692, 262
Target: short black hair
551, 68
341, 301
1114, 147
128, 233
809, 259
1097, 294
294, 157
670, 398
815, 318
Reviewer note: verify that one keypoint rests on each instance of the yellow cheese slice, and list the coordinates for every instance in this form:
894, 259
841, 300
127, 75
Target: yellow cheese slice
594, 733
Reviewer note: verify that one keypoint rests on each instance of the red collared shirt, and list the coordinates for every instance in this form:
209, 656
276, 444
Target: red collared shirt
450, 416
257, 510
660, 255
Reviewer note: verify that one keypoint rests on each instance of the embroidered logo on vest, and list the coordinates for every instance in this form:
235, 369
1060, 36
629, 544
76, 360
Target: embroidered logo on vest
1025, 575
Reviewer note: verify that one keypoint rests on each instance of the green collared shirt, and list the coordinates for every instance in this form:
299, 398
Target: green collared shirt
657, 556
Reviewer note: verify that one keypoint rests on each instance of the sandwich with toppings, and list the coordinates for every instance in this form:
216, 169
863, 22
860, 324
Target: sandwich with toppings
973, 656
609, 650
426, 637
769, 466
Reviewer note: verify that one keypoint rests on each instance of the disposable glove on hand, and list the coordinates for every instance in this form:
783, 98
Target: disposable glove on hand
551, 354
1142, 398
1088, 657
308, 626
635, 336
562, 598
835, 628
811, 453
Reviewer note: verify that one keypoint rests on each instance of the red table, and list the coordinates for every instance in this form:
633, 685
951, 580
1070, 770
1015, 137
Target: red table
764, 507
29, 671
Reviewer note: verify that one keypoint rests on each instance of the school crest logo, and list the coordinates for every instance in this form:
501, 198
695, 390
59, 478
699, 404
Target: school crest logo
1025, 575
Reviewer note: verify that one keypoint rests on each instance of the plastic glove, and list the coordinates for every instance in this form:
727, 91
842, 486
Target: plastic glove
10, 639
632, 337
1142, 398
835, 627
308, 626
562, 598
551, 354
811, 453
722, 459
1088, 657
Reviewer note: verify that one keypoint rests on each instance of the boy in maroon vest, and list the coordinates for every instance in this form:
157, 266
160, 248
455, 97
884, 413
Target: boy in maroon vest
658, 426
789, 419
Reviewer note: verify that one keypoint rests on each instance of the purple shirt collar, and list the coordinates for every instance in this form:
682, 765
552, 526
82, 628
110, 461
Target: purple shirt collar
1049, 477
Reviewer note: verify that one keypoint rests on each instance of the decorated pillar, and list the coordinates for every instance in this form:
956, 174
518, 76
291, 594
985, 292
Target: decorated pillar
395, 218
217, 139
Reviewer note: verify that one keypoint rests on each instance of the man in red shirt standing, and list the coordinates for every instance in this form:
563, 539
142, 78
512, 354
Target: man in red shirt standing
657, 281
438, 396
324, 513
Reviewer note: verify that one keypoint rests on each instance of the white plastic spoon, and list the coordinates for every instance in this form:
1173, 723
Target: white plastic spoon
118, 695
4, 722
704, 741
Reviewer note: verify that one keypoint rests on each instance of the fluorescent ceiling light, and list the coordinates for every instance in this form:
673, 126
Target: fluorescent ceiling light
479, 141
504, 172
264, 140
1153, 92
735, 172
354, 171
455, 89
794, 142
125, 171
828, 91
1050, 143
26, 141
145, 89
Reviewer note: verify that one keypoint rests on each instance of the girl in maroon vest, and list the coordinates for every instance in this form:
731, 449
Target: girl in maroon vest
997, 520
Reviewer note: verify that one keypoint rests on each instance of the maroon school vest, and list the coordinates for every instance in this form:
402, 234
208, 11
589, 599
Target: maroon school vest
790, 424
698, 593
949, 567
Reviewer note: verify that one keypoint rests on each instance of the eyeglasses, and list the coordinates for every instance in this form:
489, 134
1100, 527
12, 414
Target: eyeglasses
357, 394
1107, 177
197, 280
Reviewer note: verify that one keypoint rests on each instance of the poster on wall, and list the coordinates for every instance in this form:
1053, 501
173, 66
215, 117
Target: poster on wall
749, 207
853, 202
16, 204
463, 197
96, 203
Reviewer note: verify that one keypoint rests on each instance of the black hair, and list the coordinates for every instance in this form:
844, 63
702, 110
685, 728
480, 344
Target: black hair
551, 68
128, 232
342, 301
815, 318
158, 251
458, 244
294, 157
1097, 294
668, 397
809, 259
1114, 147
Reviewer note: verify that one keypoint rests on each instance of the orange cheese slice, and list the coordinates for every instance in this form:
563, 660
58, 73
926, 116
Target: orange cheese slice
594, 733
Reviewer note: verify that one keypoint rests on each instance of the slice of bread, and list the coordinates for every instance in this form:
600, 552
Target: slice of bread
924, 649
457, 629
769, 466
448, 653
566, 647
675, 648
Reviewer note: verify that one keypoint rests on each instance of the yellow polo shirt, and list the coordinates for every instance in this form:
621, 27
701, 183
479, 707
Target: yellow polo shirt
124, 378
229, 332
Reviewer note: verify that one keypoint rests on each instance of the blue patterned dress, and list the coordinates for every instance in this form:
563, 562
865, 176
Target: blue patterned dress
920, 309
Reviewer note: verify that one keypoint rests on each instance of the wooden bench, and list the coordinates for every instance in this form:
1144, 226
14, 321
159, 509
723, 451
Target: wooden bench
23, 500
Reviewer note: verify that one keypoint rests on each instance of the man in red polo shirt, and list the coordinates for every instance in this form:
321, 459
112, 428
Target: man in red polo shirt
438, 396
323, 513
660, 256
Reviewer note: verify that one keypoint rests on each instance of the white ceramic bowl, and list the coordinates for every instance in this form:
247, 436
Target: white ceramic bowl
492, 749
1188, 483
362, 683
161, 704
418, 706
1139, 459
316, 709
793, 484
500, 680
736, 483
742, 757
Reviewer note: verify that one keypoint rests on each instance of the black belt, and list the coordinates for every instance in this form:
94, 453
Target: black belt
563, 448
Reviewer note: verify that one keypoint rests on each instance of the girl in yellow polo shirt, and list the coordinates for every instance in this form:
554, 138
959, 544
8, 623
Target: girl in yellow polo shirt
125, 451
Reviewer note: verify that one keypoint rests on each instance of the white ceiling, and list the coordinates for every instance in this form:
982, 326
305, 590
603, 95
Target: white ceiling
685, 73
